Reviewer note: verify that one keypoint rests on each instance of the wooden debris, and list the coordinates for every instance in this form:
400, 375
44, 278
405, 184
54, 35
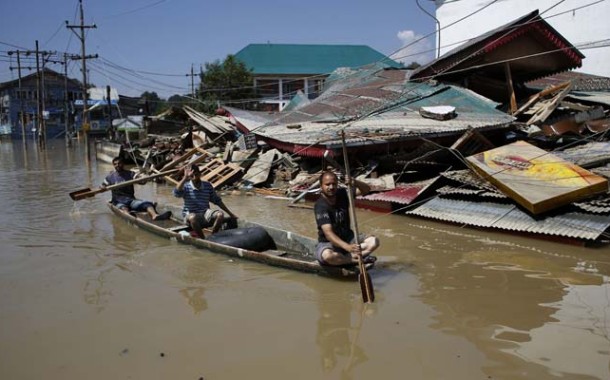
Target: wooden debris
259, 171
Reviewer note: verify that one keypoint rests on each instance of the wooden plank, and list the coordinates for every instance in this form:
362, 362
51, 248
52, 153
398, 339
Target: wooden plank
259, 172
511, 90
537, 180
543, 113
217, 172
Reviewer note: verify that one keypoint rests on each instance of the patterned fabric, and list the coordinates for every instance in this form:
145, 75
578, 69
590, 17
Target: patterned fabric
197, 200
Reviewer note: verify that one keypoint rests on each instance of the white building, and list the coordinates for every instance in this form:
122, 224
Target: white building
582, 22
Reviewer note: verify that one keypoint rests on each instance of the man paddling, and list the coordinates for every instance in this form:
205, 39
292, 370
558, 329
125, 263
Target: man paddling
124, 197
336, 240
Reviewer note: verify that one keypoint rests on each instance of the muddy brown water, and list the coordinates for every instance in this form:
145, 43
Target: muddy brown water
84, 295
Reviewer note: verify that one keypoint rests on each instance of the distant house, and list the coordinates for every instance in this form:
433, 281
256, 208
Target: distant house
55, 87
282, 70
98, 109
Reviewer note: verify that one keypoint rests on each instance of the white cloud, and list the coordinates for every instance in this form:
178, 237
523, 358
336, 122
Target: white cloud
421, 51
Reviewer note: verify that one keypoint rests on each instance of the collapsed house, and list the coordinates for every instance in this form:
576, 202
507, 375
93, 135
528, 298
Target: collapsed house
496, 134
427, 129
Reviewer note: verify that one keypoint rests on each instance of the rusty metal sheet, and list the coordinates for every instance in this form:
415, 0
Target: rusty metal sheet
404, 193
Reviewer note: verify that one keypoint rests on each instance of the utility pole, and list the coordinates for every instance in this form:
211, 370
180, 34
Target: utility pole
21, 97
39, 118
83, 57
66, 111
192, 75
110, 127
39, 122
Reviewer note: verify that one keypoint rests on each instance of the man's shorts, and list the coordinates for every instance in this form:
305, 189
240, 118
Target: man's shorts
206, 218
321, 246
136, 205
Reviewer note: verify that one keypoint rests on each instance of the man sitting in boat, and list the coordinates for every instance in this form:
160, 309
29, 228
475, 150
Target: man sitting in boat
197, 195
336, 240
124, 197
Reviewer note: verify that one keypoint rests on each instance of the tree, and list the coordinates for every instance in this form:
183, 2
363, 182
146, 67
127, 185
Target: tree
230, 81
151, 102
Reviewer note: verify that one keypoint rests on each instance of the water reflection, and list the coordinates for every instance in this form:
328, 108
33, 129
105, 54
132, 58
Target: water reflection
194, 297
527, 303
570, 337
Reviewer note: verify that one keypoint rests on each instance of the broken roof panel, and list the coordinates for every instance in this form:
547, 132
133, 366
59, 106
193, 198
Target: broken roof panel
404, 193
211, 125
509, 217
580, 81
385, 109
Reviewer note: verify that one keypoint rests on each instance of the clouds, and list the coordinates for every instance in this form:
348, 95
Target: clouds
415, 48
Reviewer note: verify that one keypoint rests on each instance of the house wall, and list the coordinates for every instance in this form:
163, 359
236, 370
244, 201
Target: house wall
26, 98
583, 26
279, 89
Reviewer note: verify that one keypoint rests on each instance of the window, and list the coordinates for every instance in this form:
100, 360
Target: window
268, 88
290, 87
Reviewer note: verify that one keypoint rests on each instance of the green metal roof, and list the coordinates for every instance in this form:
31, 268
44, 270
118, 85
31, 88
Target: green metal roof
308, 59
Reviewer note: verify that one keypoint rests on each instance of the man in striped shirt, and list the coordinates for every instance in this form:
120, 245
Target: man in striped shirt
197, 195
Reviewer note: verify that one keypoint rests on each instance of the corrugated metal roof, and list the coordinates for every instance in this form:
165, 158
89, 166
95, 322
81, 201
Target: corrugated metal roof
402, 120
580, 82
602, 97
509, 217
592, 153
467, 177
308, 59
452, 190
597, 206
404, 193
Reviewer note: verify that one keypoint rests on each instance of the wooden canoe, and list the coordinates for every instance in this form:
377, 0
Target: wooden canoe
291, 251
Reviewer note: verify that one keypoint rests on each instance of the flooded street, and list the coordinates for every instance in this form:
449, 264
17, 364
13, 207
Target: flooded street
84, 295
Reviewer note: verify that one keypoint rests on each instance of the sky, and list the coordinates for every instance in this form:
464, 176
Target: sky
150, 45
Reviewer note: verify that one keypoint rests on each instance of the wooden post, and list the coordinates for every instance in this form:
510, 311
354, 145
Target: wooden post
511, 90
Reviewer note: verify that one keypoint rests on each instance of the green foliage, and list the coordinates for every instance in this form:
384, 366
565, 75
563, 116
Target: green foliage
152, 103
413, 65
228, 82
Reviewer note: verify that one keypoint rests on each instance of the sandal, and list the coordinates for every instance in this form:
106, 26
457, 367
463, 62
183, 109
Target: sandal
166, 215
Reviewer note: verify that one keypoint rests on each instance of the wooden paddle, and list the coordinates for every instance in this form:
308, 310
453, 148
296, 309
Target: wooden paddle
366, 285
88, 193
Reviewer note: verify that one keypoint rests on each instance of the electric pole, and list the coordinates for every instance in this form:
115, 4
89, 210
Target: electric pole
39, 118
83, 57
21, 97
39, 121
66, 111
192, 75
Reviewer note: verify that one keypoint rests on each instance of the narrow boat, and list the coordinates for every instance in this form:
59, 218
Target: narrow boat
248, 240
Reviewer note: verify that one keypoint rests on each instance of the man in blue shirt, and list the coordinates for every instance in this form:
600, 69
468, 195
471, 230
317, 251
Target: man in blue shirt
124, 197
197, 195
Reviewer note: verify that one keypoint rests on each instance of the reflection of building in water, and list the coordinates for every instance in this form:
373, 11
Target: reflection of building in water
580, 334
194, 295
333, 338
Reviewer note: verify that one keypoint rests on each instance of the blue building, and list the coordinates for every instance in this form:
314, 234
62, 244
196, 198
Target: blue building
58, 93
